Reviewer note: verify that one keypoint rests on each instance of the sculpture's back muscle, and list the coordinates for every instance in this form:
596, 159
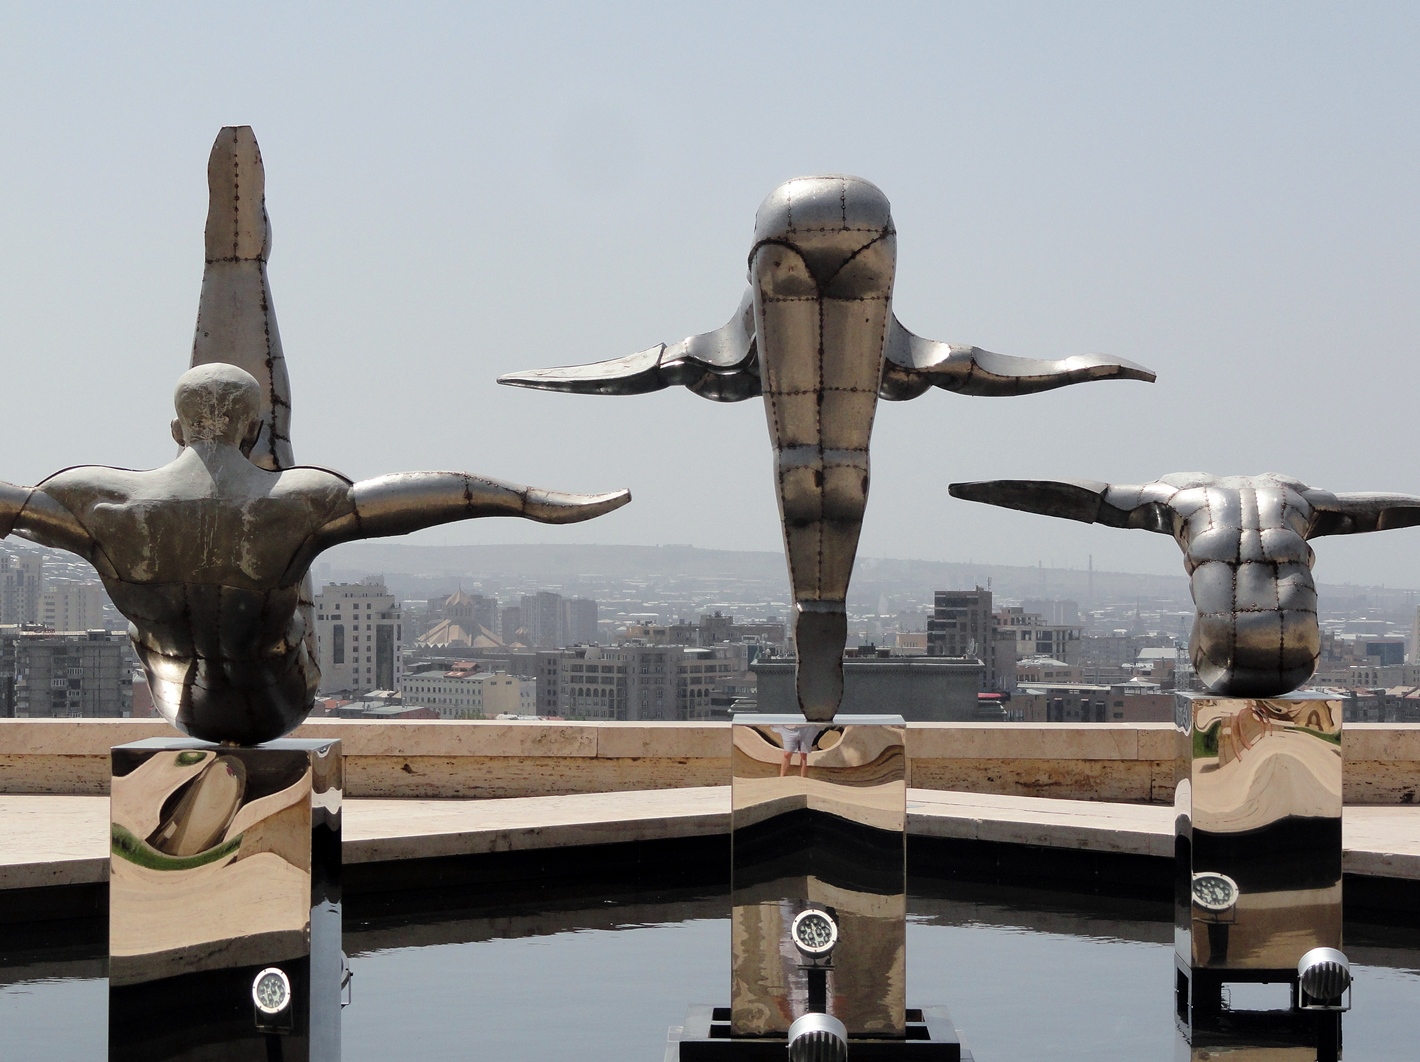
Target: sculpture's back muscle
1246, 551
208, 556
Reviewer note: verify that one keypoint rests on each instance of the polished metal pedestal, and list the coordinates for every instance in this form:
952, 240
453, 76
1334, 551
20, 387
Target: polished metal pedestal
225, 864
821, 828
818, 887
1257, 842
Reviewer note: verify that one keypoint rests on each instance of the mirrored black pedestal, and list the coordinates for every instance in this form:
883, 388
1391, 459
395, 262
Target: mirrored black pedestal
224, 901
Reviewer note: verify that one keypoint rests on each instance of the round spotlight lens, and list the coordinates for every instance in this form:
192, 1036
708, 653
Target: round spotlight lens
1214, 892
271, 991
814, 932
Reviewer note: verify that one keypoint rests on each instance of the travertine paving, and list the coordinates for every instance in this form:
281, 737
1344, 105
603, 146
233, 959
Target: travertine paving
61, 840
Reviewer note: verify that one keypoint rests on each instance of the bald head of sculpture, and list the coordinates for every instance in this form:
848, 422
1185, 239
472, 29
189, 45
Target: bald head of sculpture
217, 402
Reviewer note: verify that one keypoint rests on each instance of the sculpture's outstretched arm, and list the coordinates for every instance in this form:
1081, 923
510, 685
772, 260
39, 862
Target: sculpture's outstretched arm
1085, 500
12, 501
912, 364
721, 365
1351, 514
31, 513
407, 501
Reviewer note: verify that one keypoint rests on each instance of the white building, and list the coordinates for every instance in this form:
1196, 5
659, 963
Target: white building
73, 607
464, 693
21, 576
359, 637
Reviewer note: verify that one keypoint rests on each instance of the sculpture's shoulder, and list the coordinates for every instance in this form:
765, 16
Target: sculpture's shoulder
1181, 481
325, 491
82, 486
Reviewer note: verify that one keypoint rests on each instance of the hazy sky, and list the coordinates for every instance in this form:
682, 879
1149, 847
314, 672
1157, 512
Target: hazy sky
1226, 193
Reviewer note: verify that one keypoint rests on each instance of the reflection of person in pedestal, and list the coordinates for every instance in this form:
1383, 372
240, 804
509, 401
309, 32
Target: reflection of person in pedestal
798, 739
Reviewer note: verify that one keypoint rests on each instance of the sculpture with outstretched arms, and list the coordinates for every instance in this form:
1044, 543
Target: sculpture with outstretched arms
816, 336
1245, 547
206, 555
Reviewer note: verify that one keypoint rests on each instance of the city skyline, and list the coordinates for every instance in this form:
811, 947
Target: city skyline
1222, 194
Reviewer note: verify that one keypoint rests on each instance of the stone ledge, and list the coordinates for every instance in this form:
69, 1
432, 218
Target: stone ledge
64, 840
503, 759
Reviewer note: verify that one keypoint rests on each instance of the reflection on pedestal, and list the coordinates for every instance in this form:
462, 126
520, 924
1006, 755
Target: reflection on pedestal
1257, 804
224, 900
818, 925
819, 821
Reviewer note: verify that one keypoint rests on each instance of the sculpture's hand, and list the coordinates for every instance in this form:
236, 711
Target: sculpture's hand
407, 501
557, 507
1085, 500
721, 365
1351, 514
912, 364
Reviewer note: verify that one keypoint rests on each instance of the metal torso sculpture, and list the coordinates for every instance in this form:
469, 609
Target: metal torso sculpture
1246, 551
208, 556
816, 336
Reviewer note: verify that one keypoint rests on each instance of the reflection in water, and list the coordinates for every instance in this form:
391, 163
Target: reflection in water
509, 983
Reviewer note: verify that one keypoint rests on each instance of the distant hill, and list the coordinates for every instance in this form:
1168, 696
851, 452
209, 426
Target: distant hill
576, 565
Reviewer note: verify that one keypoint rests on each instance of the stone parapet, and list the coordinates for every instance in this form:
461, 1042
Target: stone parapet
1121, 762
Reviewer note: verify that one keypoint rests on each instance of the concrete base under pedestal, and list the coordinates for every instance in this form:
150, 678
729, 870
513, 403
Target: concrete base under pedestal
705, 1037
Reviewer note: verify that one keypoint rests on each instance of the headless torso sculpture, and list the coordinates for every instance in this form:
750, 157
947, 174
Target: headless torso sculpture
816, 336
1245, 546
208, 556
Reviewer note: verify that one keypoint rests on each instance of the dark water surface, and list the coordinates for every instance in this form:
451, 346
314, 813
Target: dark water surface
1032, 977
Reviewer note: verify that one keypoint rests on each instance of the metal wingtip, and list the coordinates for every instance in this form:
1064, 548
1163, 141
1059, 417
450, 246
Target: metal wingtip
1132, 370
967, 491
521, 379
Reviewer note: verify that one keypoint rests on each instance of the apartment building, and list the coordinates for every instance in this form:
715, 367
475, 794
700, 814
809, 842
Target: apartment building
639, 682
359, 637
466, 692
77, 676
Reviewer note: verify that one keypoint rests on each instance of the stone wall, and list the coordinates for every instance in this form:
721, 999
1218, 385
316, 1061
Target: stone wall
1099, 761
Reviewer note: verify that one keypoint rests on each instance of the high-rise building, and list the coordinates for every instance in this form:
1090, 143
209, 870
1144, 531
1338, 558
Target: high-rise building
21, 577
543, 619
963, 625
359, 637
1053, 612
581, 621
64, 675
73, 607
510, 625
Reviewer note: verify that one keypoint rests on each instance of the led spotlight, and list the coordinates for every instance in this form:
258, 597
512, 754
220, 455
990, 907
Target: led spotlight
1324, 980
814, 933
818, 1038
271, 996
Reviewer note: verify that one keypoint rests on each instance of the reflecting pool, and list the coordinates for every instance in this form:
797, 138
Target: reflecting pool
1026, 975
